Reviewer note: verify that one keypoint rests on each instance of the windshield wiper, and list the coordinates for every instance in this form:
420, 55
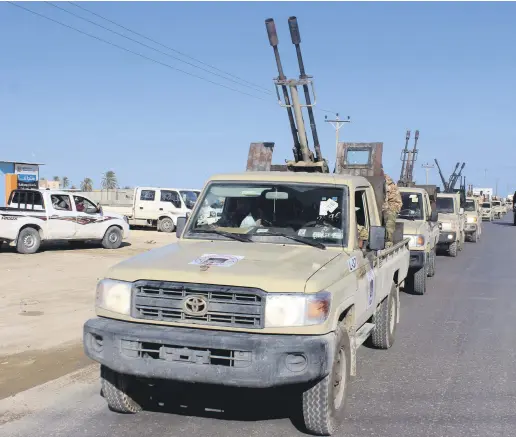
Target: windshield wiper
239, 237
297, 238
407, 217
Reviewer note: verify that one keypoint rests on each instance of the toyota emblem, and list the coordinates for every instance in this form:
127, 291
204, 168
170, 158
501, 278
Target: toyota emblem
196, 306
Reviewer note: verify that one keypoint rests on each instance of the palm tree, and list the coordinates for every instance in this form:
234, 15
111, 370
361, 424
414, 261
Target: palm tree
66, 182
109, 181
87, 184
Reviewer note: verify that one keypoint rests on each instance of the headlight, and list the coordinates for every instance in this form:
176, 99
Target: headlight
114, 296
416, 240
282, 310
472, 219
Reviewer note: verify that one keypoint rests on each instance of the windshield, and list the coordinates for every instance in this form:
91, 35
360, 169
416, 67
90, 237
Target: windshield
470, 205
412, 207
486, 205
496, 203
263, 212
445, 205
189, 197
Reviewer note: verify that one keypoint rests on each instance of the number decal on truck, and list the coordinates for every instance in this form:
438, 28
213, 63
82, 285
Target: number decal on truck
352, 263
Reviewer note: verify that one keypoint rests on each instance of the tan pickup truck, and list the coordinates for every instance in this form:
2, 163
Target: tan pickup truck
451, 218
279, 291
473, 225
422, 229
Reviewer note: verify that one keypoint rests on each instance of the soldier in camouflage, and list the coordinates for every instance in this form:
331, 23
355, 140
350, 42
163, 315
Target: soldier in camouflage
390, 209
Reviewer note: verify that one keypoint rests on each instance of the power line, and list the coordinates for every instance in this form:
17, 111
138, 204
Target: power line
168, 48
133, 52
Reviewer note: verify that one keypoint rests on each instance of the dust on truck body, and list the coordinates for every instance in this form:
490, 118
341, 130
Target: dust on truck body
278, 291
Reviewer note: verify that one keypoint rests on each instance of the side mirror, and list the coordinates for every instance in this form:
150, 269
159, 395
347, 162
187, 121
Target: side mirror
180, 226
434, 216
99, 208
376, 238
461, 211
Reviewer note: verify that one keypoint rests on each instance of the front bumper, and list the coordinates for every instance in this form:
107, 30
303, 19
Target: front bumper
470, 228
213, 357
417, 259
447, 237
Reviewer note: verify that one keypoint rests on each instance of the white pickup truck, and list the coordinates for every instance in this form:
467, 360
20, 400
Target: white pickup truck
33, 216
157, 207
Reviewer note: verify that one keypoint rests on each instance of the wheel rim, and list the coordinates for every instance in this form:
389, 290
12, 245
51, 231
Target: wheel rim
113, 237
166, 225
392, 318
339, 379
29, 241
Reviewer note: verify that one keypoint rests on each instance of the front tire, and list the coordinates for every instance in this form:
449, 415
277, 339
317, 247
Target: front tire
112, 238
431, 263
452, 250
117, 388
417, 281
29, 241
385, 321
324, 403
166, 225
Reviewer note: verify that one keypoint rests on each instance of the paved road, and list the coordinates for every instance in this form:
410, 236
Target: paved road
450, 373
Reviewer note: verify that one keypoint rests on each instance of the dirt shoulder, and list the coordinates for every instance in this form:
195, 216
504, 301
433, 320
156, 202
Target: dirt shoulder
45, 299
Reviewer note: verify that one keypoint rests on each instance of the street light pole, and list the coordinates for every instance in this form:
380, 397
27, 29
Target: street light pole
337, 123
427, 168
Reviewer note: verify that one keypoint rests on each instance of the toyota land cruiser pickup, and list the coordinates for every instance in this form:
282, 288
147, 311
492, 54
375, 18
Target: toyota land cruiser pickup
451, 218
279, 291
422, 229
473, 226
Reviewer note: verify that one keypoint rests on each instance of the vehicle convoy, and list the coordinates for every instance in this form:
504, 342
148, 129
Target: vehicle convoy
487, 211
422, 229
157, 207
33, 216
451, 217
280, 290
473, 214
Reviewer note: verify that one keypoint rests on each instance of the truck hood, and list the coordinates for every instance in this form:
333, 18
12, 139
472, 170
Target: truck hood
270, 267
448, 218
412, 227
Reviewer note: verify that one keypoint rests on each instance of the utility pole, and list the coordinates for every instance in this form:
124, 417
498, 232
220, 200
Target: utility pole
337, 123
427, 168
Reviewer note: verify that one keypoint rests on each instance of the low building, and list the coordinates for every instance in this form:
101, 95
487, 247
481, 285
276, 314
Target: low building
26, 176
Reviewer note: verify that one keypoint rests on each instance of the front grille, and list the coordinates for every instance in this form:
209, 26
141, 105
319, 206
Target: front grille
193, 355
226, 306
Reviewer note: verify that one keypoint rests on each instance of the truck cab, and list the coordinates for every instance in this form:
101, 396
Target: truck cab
487, 210
473, 213
422, 229
451, 218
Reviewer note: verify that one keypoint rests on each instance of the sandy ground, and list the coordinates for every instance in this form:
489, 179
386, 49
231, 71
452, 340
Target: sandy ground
45, 299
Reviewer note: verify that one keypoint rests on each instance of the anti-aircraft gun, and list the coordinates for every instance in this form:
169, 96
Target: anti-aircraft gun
449, 186
408, 158
260, 154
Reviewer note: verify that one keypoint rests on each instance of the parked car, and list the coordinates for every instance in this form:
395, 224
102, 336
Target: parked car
33, 216
157, 207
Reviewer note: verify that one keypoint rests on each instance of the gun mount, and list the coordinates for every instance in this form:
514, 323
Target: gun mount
449, 186
260, 154
408, 158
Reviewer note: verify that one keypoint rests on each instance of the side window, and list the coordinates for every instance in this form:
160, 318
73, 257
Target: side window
61, 202
172, 197
147, 195
361, 213
84, 205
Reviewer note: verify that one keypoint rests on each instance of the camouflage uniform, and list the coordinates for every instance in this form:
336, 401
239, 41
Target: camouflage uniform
363, 234
391, 208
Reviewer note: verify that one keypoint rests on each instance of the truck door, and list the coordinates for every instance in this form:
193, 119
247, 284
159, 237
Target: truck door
146, 204
89, 220
359, 262
62, 220
171, 203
